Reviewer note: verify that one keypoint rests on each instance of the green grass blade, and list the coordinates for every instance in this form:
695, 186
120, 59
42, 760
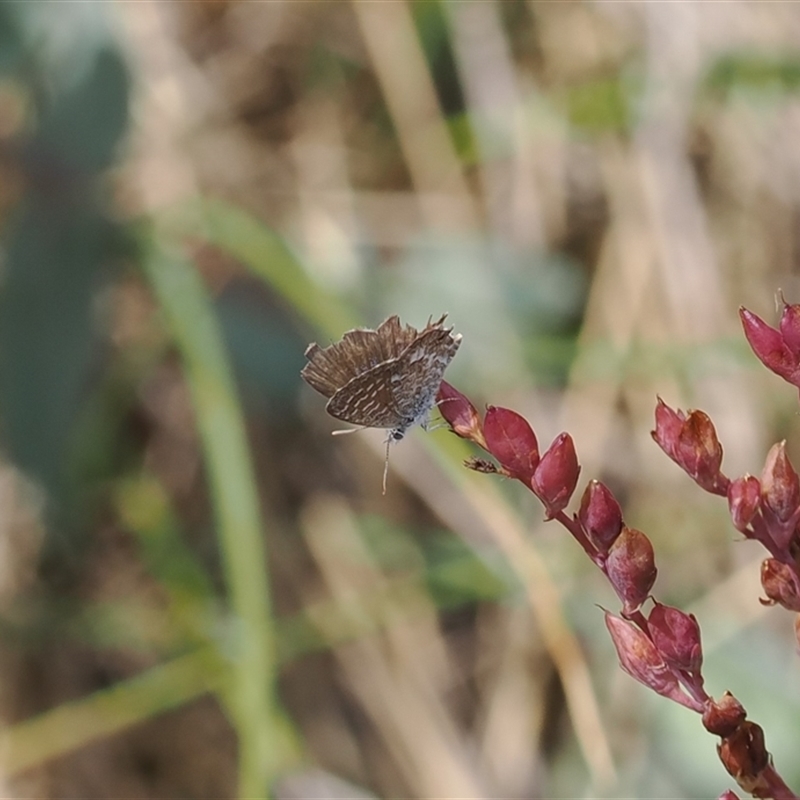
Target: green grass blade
81, 722
187, 308
267, 255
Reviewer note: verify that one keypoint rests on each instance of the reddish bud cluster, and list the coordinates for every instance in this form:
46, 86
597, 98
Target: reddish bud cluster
742, 749
625, 555
772, 514
508, 436
767, 510
691, 442
663, 651
642, 658
643, 661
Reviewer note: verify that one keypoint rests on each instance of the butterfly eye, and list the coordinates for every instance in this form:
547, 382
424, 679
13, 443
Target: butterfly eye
397, 435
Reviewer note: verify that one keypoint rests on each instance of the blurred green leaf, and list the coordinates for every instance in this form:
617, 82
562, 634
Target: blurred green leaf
266, 255
455, 575
77, 723
434, 35
463, 138
11, 41
83, 126
264, 346
599, 105
189, 313
393, 546
328, 70
53, 257
755, 71
144, 507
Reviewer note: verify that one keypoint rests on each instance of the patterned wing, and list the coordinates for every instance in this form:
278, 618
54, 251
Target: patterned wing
367, 399
331, 368
386, 378
420, 370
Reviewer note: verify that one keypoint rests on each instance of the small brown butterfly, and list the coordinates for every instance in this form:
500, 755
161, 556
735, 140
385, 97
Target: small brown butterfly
383, 378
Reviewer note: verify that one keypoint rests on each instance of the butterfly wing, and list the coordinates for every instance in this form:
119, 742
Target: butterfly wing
331, 368
419, 371
368, 398
386, 378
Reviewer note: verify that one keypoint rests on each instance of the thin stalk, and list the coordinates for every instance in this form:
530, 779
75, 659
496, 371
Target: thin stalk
187, 308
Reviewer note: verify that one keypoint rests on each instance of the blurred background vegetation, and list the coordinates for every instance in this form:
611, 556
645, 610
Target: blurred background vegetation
202, 594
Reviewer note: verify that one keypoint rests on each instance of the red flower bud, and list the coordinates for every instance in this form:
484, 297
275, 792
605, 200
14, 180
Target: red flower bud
677, 637
692, 443
668, 427
631, 568
780, 485
723, 717
780, 584
790, 327
769, 346
639, 657
600, 515
744, 754
698, 450
728, 795
556, 475
460, 414
744, 497
511, 440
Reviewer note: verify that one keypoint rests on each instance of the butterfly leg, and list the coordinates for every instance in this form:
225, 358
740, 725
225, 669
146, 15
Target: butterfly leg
429, 426
386, 462
340, 431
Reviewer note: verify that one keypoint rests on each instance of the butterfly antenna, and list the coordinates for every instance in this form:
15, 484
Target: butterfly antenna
386, 464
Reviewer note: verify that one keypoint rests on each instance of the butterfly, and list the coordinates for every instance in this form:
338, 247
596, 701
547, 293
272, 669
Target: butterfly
383, 378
